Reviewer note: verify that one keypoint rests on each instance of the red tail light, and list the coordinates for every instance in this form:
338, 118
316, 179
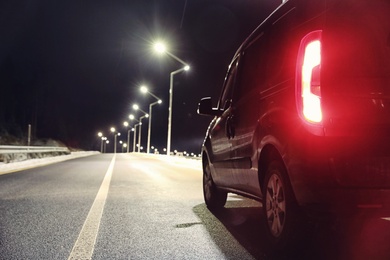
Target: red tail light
308, 81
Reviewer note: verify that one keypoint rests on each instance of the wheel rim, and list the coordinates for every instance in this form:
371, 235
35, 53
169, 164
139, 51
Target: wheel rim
275, 205
207, 182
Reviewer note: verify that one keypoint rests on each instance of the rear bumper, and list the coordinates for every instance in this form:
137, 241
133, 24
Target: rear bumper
341, 174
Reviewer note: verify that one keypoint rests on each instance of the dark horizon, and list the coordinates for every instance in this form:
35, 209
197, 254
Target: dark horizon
72, 69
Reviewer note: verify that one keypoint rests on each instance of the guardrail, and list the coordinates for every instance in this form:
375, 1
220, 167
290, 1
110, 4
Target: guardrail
11, 153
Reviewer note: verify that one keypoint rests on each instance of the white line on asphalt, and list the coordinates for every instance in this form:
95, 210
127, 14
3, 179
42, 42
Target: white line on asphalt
84, 246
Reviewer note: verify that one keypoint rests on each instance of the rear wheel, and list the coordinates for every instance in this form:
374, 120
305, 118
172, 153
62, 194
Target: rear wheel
280, 210
214, 198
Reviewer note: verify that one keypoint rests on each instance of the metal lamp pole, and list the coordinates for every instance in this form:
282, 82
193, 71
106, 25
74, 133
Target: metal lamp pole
134, 137
144, 89
140, 130
160, 47
170, 107
150, 123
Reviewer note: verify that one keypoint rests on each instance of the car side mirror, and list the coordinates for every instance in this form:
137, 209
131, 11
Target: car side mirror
205, 107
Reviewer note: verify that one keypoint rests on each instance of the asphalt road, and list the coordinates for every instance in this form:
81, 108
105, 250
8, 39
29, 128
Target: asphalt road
145, 207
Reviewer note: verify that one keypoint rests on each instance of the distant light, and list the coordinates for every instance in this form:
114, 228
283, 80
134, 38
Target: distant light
146, 115
125, 145
131, 117
119, 134
112, 129
186, 68
126, 123
100, 134
135, 107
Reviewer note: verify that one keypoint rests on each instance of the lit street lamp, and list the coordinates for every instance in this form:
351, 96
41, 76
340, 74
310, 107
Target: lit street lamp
124, 145
131, 117
161, 48
146, 115
145, 90
105, 144
113, 130
140, 131
100, 134
126, 124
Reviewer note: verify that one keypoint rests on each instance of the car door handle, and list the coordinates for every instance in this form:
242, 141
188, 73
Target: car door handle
230, 128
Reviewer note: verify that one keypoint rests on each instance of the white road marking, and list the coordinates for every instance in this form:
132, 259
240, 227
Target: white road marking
85, 243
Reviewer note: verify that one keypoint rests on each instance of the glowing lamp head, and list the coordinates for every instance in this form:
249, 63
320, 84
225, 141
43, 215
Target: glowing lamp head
186, 68
135, 107
160, 47
144, 89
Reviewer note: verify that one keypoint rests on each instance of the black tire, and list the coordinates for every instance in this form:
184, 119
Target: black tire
281, 215
214, 198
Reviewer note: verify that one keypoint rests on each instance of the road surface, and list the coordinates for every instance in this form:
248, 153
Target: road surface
133, 206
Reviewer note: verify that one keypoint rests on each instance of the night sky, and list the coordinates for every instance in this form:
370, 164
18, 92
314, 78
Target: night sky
74, 68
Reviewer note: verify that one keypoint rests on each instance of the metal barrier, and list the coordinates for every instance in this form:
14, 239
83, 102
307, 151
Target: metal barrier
11, 153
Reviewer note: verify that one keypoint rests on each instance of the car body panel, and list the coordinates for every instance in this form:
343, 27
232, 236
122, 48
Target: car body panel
349, 150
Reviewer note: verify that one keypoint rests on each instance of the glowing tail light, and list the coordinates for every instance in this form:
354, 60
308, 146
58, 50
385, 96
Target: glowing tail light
308, 81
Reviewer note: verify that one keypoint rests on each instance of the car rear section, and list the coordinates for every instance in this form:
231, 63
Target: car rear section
343, 99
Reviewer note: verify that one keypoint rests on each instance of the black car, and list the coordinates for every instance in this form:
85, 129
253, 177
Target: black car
303, 119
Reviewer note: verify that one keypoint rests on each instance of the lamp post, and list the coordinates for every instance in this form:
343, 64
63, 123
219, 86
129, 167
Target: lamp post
126, 124
100, 134
160, 47
146, 115
134, 137
113, 130
105, 144
140, 131
132, 117
145, 90
124, 145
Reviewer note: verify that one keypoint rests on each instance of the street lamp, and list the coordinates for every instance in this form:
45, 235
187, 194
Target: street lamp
105, 144
145, 90
131, 117
146, 115
113, 130
140, 131
100, 134
126, 124
161, 48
